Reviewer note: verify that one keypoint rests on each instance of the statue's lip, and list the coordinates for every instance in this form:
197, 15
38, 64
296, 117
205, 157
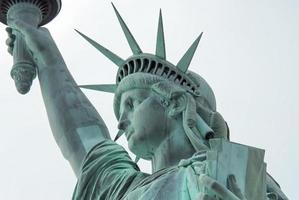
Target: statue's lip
129, 134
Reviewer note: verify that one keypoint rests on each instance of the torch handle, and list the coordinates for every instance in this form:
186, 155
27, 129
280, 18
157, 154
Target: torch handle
23, 71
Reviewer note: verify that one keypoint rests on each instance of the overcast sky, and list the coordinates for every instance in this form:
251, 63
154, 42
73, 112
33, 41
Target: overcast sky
249, 54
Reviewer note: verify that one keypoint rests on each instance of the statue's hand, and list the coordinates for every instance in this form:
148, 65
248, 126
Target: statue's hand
10, 40
272, 196
231, 192
38, 41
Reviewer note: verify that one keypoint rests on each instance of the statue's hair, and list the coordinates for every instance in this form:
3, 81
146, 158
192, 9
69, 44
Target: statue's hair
145, 81
199, 109
199, 119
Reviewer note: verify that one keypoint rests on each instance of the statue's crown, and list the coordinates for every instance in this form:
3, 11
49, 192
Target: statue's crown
147, 63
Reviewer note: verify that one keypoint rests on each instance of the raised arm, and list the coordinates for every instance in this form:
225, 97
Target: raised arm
75, 123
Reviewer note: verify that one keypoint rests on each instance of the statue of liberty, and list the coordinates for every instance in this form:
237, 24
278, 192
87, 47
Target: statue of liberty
167, 113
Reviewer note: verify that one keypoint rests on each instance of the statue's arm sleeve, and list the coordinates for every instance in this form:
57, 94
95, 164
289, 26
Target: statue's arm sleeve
107, 173
75, 123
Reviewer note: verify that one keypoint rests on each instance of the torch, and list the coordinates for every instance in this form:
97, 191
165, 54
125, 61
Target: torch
36, 13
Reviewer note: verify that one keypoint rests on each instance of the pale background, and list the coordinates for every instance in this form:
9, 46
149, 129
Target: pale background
249, 54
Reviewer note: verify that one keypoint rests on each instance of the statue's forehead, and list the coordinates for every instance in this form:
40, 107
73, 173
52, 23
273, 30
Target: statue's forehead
139, 93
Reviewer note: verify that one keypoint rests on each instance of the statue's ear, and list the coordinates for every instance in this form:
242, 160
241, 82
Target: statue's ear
177, 104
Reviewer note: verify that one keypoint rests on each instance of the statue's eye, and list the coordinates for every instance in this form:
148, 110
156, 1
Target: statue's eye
136, 103
130, 105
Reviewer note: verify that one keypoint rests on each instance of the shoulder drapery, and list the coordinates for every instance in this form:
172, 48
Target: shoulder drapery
107, 173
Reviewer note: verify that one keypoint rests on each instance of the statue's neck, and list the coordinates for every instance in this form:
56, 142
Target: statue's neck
173, 149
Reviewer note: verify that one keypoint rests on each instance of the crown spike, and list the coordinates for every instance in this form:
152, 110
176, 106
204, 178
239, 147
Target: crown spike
110, 88
131, 40
185, 61
111, 56
160, 45
118, 135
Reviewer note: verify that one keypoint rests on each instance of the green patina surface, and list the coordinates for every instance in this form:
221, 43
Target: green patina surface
167, 113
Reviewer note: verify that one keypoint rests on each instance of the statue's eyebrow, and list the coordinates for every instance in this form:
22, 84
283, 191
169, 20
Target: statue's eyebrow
141, 95
128, 100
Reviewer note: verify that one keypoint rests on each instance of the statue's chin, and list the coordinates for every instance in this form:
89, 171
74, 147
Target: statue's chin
139, 149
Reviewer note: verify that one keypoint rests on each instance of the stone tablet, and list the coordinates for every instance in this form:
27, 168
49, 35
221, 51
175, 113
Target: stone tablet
245, 162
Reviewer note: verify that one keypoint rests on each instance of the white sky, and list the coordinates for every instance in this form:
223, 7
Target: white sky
249, 54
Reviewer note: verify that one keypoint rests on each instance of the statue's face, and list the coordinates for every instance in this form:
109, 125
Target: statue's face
145, 121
